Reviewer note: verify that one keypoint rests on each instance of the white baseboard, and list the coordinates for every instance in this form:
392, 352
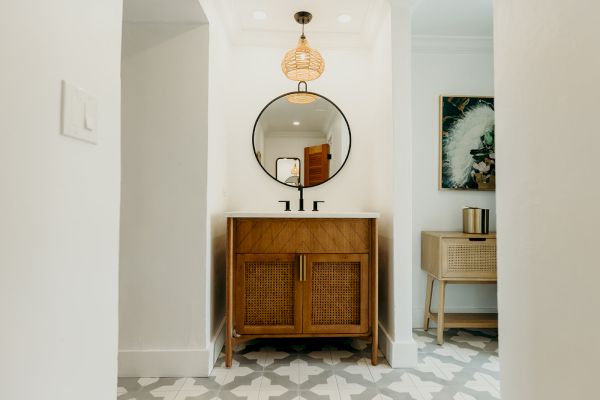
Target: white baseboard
163, 363
399, 354
417, 320
217, 343
172, 363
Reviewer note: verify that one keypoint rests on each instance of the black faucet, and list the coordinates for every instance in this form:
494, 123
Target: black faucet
316, 204
301, 205
287, 204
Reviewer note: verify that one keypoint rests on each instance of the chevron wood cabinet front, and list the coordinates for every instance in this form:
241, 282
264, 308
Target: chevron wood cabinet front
301, 277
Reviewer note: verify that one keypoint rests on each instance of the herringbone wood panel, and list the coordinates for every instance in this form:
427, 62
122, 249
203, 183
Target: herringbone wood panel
290, 236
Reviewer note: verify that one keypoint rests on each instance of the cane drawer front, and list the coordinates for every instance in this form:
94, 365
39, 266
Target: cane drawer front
302, 236
469, 258
268, 294
336, 294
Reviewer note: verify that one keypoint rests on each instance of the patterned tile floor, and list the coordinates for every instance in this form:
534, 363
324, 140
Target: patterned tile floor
464, 368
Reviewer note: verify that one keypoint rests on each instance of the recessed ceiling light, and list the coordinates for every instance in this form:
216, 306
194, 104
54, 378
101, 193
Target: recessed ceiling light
344, 18
296, 123
259, 15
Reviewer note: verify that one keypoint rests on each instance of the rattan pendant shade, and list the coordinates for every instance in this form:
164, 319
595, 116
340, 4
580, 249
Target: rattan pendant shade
301, 98
303, 63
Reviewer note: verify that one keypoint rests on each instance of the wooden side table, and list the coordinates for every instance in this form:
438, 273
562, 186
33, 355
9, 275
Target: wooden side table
456, 257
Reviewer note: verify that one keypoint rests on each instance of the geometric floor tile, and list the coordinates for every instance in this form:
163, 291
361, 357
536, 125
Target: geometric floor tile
415, 387
493, 364
455, 351
484, 383
465, 367
474, 340
439, 368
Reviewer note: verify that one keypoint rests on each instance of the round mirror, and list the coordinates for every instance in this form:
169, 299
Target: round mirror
301, 138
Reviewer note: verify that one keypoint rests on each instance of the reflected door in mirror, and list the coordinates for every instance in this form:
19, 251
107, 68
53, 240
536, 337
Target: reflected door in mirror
316, 164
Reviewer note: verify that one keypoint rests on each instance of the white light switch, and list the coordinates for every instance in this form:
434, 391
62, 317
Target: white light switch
79, 114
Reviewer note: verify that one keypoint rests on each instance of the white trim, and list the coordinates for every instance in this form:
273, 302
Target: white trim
172, 362
398, 354
430, 44
163, 363
218, 342
418, 313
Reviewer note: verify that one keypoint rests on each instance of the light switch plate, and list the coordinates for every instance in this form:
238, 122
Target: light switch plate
79, 114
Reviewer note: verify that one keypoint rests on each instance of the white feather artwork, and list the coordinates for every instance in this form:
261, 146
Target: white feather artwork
464, 136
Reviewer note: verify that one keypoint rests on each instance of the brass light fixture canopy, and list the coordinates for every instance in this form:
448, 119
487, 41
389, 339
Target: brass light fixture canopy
303, 63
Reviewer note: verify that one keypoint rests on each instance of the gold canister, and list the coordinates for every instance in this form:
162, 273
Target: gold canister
476, 220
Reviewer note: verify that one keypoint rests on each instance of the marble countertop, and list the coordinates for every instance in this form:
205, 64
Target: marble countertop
300, 214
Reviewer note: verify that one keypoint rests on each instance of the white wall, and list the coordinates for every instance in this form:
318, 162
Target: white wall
444, 69
396, 284
365, 183
338, 140
163, 225
60, 202
218, 169
547, 58
277, 146
249, 96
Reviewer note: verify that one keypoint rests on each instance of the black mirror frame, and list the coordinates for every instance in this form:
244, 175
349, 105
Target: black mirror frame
326, 99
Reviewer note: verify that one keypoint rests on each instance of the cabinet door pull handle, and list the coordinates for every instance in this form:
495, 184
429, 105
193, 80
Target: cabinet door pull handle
304, 267
300, 268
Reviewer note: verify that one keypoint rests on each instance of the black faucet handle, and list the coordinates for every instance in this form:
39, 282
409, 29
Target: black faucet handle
287, 204
316, 204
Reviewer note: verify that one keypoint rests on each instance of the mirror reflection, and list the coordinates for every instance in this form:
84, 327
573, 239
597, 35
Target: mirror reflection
301, 144
288, 170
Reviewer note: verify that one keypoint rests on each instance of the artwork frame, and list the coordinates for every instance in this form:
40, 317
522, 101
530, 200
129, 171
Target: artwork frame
466, 143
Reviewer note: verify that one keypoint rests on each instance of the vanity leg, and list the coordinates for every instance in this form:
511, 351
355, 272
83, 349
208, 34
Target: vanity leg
229, 296
228, 353
374, 349
440, 318
374, 294
428, 302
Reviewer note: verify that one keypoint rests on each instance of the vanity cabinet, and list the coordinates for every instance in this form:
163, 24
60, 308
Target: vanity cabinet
301, 277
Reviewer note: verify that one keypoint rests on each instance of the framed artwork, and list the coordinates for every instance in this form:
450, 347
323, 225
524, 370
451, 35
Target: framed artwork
467, 143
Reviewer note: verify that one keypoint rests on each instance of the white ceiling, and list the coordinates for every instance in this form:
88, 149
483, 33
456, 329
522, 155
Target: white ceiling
165, 11
280, 29
430, 18
453, 18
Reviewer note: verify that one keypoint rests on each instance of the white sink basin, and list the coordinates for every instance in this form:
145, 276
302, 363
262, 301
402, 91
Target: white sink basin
300, 214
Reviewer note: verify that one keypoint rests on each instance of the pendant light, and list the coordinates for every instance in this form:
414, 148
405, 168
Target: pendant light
303, 63
295, 171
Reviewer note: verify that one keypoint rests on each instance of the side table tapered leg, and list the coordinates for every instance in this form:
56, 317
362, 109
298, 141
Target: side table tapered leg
428, 303
440, 318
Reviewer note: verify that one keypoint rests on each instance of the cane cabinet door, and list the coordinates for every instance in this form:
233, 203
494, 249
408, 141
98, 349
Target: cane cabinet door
336, 293
268, 295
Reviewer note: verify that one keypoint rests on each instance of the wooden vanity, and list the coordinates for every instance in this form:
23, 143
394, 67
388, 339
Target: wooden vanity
301, 274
